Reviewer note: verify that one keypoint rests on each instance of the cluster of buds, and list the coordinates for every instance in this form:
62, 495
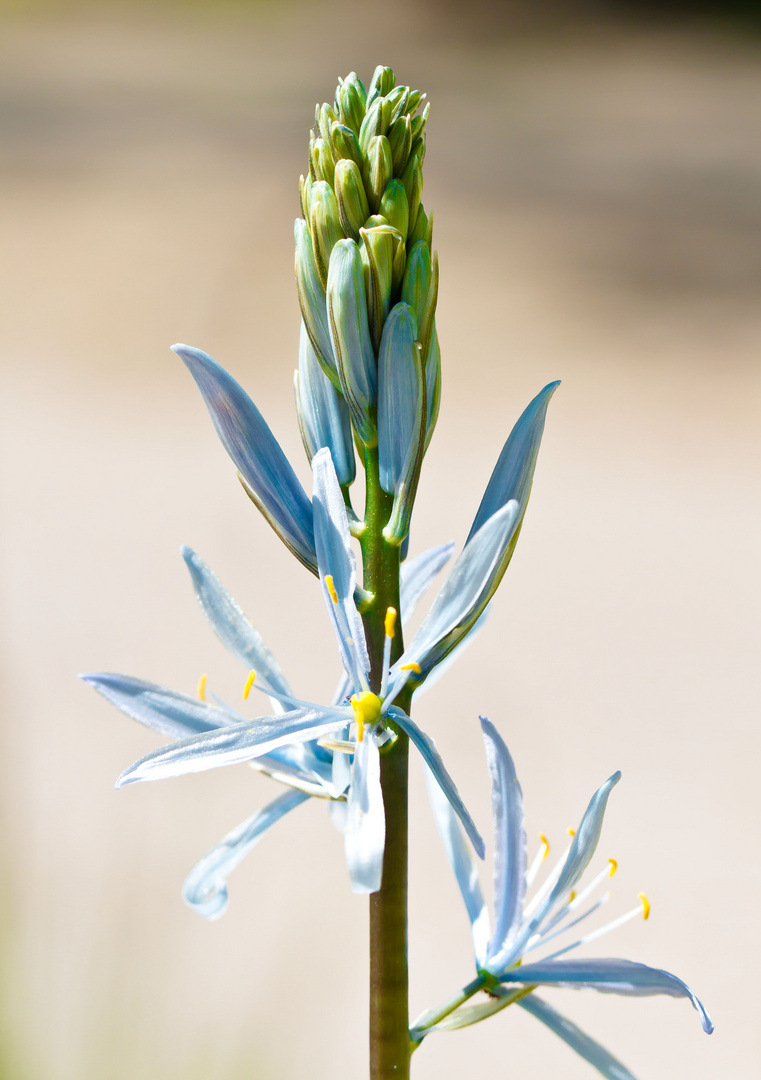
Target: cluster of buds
369, 361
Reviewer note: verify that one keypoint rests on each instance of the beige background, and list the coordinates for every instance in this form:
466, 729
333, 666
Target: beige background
597, 191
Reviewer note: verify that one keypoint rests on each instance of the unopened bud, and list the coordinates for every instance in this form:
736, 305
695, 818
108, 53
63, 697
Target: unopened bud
420, 290
381, 84
305, 195
377, 121
322, 414
350, 336
324, 116
398, 99
400, 141
412, 178
345, 144
325, 226
322, 165
379, 169
353, 210
419, 122
423, 229
351, 97
394, 207
378, 258
312, 300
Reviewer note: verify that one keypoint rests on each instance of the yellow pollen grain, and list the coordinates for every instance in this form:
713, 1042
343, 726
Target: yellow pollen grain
249, 683
572, 896
331, 588
390, 622
645, 905
201, 691
545, 846
613, 866
411, 667
571, 832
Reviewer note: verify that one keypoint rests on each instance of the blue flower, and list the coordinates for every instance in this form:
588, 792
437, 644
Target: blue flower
504, 954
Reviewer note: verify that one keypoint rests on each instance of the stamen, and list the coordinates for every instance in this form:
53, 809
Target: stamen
641, 908
545, 887
390, 622
328, 579
389, 626
249, 684
411, 667
202, 687
645, 906
339, 746
570, 831
543, 938
539, 858
613, 866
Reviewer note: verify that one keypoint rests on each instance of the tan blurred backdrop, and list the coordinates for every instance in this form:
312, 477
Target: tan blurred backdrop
597, 191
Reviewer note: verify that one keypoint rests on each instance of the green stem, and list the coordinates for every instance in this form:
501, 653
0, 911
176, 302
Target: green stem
390, 1044
434, 1016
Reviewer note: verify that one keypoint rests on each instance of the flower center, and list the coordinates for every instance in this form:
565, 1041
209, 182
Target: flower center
367, 710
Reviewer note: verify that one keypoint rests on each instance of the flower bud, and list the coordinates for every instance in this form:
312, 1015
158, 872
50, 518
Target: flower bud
324, 117
419, 122
394, 208
325, 226
400, 141
350, 337
412, 178
398, 99
322, 166
353, 210
379, 169
323, 415
344, 143
377, 121
423, 229
378, 259
350, 97
381, 84
305, 195
414, 100
312, 301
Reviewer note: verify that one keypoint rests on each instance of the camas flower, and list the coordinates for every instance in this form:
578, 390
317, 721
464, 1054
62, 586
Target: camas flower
507, 970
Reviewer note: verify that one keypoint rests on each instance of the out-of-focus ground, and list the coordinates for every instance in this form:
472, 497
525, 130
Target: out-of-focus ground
597, 192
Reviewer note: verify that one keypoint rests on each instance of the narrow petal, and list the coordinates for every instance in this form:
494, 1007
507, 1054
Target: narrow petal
608, 976
228, 746
586, 1047
582, 849
465, 592
350, 336
365, 834
336, 560
514, 472
432, 758
166, 711
265, 470
233, 628
417, 574
442, 667
398, 392
323, 416
463, 864
509, 838
205, 888
314, 309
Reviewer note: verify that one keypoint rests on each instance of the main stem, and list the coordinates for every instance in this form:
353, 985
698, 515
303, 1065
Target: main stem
390, 1044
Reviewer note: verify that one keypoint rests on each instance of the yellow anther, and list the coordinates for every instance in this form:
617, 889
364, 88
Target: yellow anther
411, 667
571, 832
202, 687
331, 588
249, 684
613, 866
545, 846
572, 896
367, 710
390, 624
645, 905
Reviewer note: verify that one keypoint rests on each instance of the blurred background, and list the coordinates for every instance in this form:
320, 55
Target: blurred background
595, 172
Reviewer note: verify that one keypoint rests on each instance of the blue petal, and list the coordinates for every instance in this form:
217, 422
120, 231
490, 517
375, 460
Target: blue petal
323, 416
205, 888
609, 976
442, 667
233, 628
231, 745
432, 758
266, 473
582, 849
336, 559
417, 574
509, 838
398, 393
464, 867
365, 831
587, 1048
350, 336
169, 713
465, 592
514, 471
314, 307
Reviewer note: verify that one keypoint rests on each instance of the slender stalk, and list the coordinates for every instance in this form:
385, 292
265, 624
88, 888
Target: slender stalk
390, 1044
434, 1016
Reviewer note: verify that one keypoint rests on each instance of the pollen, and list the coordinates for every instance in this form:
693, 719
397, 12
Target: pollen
367, 710
645, 906
331, 588
201, 691
249, 683
390, 622
411, 667
613, 866
570, 831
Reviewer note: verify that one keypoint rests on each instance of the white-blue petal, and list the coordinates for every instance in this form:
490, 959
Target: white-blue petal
442, 667
609, 976
432, 758
398, 391
314, 307
514, 471
323, 415
463, 864
350, 337
169, 713
205, 887
233, 628
231, 745
586, 1047
336, 559
365, 833
256, 453
509, 839
417, 574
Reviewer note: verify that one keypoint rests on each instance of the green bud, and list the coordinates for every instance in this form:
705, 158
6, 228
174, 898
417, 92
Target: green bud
353, 210
379, 169
423, 229
325, 226
350, 97
394, 207
420, 289
412, 178
398, 99
305, 195
399, 267
350, 337
312, 301
345, 144
377, 121
381, 84
414, 100
400, 141
322, 165
418, 122
324, 116
379, 245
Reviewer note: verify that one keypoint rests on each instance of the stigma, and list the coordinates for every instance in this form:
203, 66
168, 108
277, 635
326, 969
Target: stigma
367, 710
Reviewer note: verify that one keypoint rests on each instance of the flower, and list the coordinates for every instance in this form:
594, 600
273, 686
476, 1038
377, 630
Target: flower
506, 968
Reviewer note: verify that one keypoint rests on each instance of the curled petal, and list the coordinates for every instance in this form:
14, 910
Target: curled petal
365, 830
264, 469
586, 1047
205, 888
